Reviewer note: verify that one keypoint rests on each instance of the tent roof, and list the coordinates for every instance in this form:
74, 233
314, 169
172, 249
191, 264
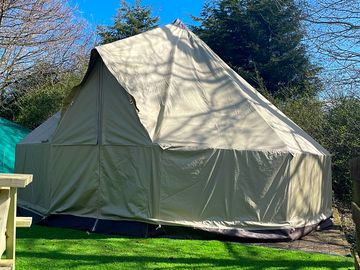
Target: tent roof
188, 96
43, 132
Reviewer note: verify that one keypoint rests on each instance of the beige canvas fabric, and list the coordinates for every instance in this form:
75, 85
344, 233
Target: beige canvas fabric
44, 132
193, 98
161, 130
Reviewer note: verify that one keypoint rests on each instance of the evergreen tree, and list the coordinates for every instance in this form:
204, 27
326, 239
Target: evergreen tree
262, 41
129, 21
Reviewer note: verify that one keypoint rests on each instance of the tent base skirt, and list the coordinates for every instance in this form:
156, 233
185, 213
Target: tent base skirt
142, 229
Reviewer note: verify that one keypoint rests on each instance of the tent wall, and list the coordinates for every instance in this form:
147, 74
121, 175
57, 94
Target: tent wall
101, 113
310, 189
224, 188
120, 124
129, 182
207, 189
74, 180
35, 159
66, 179
79, 124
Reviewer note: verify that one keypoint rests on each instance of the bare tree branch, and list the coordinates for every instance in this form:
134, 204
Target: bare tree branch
33, 31
334, 37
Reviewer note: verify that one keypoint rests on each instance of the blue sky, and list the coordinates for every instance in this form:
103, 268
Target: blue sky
101, 12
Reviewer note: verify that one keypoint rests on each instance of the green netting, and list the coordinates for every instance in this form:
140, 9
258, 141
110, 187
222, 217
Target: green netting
10, 135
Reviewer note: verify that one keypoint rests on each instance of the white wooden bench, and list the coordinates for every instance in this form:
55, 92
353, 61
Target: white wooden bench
8, 219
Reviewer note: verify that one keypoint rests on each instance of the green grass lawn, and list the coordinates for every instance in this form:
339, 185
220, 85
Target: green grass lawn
51, 248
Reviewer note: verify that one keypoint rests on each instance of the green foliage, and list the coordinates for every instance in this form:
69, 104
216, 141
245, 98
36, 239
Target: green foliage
308, 113
335, 125
343, 141
39, 104
46, 79
41, 247
129, 21
261, 40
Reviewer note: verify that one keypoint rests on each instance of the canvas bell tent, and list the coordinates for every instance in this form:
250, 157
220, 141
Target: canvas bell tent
162, 131
10, 135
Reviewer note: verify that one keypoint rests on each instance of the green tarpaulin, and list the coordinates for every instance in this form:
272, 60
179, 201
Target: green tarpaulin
10, 135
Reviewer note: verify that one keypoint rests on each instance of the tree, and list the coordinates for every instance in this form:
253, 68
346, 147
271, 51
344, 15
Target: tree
37, 31
129, 21
262, 41
333, 34
36, 106
343, 141
309, 114
41, 74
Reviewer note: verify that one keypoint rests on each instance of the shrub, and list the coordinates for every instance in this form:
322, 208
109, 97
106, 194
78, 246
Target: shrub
38, 105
